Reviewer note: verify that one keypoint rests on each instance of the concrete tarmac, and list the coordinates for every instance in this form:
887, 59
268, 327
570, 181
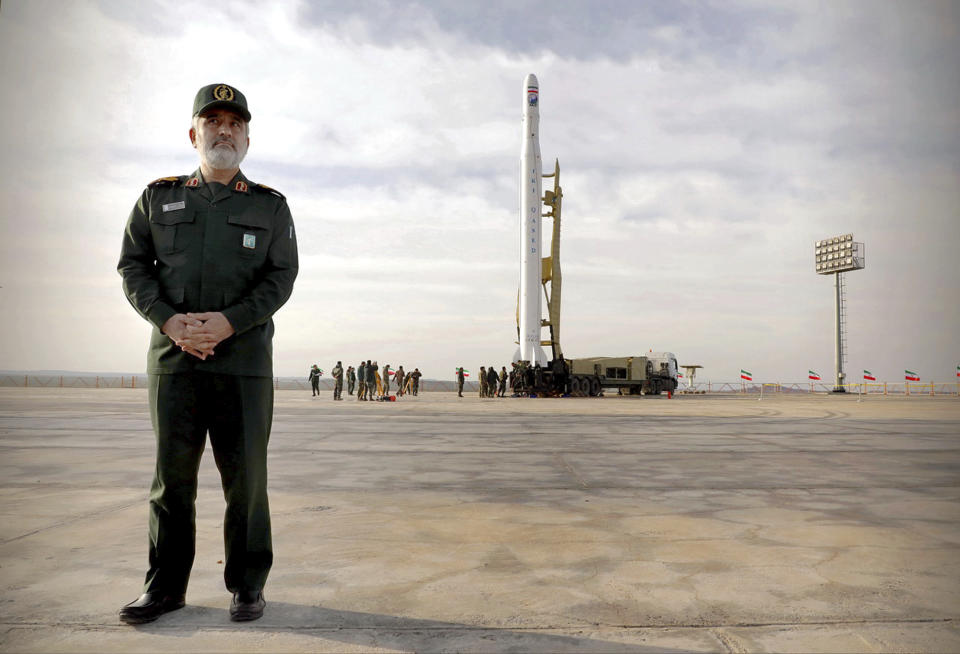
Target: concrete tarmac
617, 524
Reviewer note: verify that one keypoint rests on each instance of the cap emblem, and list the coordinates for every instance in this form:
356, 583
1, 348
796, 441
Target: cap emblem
223, 93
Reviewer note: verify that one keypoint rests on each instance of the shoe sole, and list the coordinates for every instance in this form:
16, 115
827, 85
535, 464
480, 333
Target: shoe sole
134, 619
246, 616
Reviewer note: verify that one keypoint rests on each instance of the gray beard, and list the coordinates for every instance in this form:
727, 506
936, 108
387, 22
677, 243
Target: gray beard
223, 158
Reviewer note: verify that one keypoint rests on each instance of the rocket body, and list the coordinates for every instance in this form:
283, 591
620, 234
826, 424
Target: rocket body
531, 178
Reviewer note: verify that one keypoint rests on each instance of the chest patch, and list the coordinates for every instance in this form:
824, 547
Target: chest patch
250, 241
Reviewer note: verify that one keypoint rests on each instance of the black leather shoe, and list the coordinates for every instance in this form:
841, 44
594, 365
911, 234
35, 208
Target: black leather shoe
150, 606
247, 605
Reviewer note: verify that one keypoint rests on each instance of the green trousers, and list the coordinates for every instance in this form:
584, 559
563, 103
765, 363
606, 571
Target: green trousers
237, 412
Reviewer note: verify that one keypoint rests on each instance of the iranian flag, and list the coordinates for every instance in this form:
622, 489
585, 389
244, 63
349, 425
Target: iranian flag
466, 373
909, 375
868, 376
814, 376
746, 375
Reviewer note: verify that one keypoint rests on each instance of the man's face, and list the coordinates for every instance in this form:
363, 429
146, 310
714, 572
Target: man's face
220, 136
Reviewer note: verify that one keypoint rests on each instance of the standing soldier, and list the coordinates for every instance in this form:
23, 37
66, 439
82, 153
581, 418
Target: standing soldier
371, 375
361, 382
416, 381
492, 381
386, 380
351, 380
460, 380
337, 373
503, 381
208, 258
483, 381
315, 380
400, 377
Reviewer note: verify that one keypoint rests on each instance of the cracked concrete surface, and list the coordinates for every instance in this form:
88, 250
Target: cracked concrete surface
620, 524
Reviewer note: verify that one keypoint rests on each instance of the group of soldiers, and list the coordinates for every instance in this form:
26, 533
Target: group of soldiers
492, 383
368, 381
523, 379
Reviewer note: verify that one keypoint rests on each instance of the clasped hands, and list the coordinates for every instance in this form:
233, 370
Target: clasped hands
198, 333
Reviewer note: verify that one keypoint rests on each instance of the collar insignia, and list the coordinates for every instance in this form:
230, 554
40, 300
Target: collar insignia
241, 186
193, 181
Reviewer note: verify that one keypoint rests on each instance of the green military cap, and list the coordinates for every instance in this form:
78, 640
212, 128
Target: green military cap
213, 96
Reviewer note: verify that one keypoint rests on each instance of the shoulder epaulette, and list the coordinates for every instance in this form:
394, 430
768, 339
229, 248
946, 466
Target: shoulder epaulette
165, 181
267, 189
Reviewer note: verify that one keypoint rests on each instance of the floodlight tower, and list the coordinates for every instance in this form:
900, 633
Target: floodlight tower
835, 256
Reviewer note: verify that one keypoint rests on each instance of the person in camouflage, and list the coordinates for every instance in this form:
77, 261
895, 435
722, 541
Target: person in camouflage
337, 373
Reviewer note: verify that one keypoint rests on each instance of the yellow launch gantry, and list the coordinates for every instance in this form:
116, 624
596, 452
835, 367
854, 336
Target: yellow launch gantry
550, 266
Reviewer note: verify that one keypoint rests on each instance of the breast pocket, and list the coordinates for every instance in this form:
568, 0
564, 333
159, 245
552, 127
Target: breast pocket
250, 236
172, 230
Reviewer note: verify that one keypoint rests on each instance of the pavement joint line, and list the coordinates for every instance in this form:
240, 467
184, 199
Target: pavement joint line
73, 519
569, 468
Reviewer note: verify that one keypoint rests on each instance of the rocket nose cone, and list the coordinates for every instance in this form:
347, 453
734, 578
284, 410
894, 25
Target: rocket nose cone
531, 94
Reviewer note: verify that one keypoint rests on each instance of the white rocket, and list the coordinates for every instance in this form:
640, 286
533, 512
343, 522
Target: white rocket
531, 176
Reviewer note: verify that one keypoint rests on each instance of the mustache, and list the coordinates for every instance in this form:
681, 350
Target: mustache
228, 141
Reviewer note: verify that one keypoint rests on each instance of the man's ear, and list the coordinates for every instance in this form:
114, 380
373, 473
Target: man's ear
193, 137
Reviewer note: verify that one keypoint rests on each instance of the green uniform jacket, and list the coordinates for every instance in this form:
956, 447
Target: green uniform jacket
186, 249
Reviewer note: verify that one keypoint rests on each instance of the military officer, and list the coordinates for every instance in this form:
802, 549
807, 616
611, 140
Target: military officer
460, 380
351, 379
207, 258
315, 380
337, 373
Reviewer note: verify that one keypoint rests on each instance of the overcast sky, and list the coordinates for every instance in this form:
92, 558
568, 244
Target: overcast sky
704, 148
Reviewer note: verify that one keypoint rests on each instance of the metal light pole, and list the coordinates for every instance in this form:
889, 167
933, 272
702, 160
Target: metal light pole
834, 256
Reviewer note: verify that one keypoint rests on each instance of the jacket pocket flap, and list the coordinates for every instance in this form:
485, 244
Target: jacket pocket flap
172, 217
250, 220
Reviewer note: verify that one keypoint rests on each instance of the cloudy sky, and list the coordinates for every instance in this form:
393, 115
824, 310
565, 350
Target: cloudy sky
704, 148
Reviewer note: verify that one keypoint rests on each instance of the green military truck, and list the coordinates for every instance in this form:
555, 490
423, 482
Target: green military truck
648, 374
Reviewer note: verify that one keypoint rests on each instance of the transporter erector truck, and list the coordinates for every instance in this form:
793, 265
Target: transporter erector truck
648, 374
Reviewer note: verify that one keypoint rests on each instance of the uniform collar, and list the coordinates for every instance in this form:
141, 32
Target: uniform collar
239, 183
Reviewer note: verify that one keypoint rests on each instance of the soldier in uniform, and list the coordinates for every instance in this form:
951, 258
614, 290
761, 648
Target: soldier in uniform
492, 381
400, 376
208, 258
483, 381
351, 380
460, 379
386, 380
371, 379
416, 374
362, 382
503, 381
337, 373
315, 380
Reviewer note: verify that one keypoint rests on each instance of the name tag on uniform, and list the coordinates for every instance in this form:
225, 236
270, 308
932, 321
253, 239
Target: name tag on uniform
173, 206
250, 241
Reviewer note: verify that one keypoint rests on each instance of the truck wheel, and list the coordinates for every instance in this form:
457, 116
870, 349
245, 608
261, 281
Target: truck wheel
594, 387
575, 386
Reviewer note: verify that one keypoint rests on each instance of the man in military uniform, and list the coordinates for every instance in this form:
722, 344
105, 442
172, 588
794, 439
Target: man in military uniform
460, 380
386, 381
415, 375
351, 380
337, 373
362, 382
208, 258
315, 380
400, 378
